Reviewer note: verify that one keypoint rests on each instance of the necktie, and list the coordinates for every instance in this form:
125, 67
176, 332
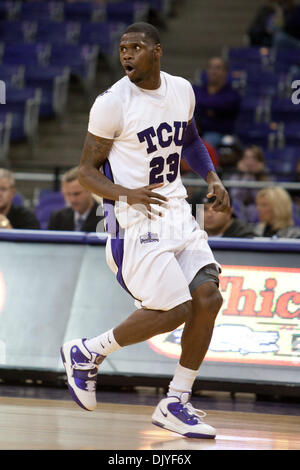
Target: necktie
79, 223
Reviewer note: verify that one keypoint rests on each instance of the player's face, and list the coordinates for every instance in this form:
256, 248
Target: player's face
7, 193
140, 58
76, 196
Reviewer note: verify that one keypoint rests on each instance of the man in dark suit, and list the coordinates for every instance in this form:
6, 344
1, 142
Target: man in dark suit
13, 216
82, 212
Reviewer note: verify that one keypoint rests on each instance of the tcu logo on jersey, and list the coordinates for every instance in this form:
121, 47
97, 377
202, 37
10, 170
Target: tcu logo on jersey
164, 135
162, 170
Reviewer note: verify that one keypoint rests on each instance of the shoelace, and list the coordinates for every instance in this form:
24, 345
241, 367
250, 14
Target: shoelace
83, 365
194, 411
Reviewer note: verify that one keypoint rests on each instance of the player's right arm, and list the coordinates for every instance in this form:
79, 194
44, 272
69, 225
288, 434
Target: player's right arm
95, 151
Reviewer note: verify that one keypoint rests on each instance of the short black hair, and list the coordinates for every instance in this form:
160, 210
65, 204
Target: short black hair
148, 29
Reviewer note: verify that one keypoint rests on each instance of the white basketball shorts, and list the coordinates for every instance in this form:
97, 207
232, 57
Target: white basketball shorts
155, 261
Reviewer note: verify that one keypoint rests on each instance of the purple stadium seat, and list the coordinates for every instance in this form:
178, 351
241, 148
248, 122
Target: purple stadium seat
105, 34
264, 82
49, 197
36, 10
9, 10
65, 32
5, 132
48, 203
252, 109
17, 31
84, 11
13, 75
54, 83
26, 54
286, 58
284, 110
80, 59
241, 56
18, 200
282, 162
262, 134
24, 105
126, 12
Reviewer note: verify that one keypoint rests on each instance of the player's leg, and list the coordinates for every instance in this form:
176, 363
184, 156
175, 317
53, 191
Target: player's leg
175, 412
81, 357
143, 324
199, 326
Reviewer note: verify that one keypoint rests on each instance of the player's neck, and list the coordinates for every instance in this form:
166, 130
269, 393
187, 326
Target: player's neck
153, 83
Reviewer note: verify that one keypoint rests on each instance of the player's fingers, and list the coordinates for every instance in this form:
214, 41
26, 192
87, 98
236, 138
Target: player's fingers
152, 214
153, 194
221, 203
154, 185
156, 212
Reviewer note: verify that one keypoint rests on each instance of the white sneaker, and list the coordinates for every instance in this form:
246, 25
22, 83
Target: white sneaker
178, 415
82, 368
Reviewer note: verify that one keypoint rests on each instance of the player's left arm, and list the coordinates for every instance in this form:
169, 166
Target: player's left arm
196, 155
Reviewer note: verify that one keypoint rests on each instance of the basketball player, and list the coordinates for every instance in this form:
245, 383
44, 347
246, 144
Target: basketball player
136, 133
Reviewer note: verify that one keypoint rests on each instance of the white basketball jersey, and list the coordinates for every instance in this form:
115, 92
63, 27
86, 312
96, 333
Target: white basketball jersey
147, 127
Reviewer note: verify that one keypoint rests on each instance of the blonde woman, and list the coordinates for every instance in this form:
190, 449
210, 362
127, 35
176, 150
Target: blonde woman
275, 213
251, 167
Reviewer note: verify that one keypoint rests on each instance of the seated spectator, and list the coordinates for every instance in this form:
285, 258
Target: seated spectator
275, 212
287, 32
11, 216
276, 24
261, 30
81, 213
217, 103
230, 151
221, 224
251, 167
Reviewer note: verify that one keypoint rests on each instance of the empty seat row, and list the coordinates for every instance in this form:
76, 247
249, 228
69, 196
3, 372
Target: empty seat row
126, 11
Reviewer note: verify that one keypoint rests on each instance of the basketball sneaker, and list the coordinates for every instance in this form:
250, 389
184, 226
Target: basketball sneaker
178, 415
82, 368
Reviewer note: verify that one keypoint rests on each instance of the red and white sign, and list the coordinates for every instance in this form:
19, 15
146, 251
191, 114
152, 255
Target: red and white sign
259, 321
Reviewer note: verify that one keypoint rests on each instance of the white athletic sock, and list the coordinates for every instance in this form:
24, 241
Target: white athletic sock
103, 344
182, 381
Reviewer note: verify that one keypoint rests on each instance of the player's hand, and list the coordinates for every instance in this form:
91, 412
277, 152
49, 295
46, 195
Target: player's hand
221, 201
143, 198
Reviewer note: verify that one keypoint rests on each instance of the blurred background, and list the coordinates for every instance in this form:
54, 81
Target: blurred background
242, 58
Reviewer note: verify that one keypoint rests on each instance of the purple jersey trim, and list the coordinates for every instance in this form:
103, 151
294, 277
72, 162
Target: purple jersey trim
116, 232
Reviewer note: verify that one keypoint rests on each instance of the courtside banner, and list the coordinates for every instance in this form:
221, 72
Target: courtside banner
259, 322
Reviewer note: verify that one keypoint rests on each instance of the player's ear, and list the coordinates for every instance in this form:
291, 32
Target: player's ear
158, 50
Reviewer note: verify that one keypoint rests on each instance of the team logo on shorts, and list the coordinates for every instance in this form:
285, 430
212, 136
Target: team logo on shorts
149, 237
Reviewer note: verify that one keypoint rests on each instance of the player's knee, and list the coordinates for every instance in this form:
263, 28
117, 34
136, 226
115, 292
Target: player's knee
217, 301
208, 302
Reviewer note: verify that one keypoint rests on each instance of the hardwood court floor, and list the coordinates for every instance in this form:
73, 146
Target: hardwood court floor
27, 423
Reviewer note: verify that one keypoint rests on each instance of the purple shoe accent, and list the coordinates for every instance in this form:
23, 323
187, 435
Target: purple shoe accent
74, 396
180, 412
83, 368
69, 386
198, 436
